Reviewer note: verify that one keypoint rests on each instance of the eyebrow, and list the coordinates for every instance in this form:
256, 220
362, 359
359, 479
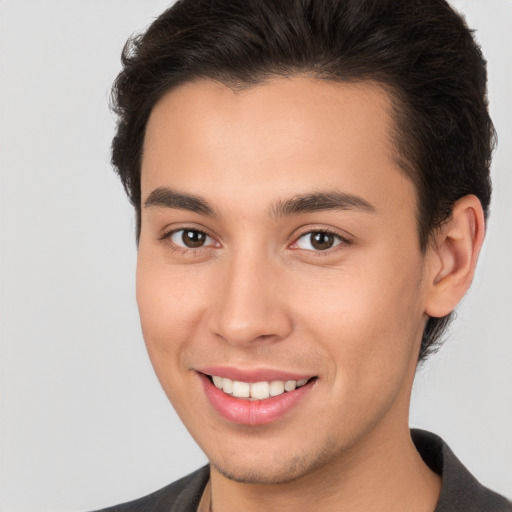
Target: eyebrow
321, 201
302, 203
167, 198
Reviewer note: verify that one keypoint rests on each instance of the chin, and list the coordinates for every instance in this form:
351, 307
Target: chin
277, 469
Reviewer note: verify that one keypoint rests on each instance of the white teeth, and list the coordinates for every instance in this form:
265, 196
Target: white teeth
260, 390
276, 387
227, 386
256, 390
290, 385
241, 389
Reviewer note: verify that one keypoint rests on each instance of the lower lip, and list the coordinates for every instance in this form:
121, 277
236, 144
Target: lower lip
257, 412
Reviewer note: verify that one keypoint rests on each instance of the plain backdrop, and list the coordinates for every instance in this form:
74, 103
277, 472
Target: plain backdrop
83, 421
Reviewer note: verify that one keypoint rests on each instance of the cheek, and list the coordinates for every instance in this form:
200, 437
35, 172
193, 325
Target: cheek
170, 309
369, 319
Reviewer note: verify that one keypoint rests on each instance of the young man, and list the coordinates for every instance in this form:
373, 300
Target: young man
311, 182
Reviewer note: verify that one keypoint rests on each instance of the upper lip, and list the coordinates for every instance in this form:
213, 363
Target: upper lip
253, 374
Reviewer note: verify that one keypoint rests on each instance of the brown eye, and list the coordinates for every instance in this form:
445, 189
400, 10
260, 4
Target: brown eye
322, 241
190, 238
193, 238
318, 241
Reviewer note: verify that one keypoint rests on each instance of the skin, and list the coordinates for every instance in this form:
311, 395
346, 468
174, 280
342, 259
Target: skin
257, 294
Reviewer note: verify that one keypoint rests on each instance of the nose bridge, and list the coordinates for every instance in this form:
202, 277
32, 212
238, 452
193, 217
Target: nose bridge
248, 307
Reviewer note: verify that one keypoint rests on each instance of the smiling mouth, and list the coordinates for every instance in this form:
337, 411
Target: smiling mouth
254, 391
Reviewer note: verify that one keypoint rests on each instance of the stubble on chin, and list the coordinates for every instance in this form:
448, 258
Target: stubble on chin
277, 471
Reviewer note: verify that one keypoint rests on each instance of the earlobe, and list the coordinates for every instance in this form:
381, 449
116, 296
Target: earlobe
453, 255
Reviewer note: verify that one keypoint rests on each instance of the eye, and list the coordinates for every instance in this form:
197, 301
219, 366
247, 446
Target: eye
318, 241
191, 238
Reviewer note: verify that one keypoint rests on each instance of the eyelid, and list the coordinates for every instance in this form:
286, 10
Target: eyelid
167, 234
309, 230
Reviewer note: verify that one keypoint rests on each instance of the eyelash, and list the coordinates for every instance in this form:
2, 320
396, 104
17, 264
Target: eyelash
339, 242
167, 236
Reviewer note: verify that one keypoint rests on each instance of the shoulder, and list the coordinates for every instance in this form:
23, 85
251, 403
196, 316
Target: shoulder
460, 491
183, 494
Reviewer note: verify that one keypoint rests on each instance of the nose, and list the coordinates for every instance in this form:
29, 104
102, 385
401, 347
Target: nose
250, 305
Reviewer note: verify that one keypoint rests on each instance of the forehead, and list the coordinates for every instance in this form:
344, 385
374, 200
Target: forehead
284, 136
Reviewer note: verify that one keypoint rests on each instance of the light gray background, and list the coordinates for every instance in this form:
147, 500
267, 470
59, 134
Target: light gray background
83, 420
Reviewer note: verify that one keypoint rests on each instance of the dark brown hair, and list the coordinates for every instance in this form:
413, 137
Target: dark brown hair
421, 51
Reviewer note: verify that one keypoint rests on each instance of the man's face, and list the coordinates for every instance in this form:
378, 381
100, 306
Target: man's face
279, 243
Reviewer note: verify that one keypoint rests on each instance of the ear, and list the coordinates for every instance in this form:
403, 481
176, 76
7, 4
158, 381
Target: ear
452, 256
